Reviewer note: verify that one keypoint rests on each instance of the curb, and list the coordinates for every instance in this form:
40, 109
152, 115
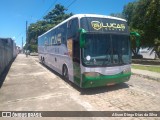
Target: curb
147, 76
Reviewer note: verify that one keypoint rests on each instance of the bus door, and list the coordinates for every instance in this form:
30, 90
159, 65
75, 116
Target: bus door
74, 48
76, 61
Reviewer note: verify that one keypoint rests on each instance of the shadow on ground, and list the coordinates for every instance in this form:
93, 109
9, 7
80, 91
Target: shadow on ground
90, 91
5, 72
98, 90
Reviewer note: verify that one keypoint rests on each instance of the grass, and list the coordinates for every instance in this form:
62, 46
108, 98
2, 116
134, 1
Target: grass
149, 68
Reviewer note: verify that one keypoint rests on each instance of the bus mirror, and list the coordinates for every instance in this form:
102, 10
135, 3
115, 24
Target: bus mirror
82, 37
137, 38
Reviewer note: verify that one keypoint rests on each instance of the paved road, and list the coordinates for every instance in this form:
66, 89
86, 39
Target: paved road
31, 86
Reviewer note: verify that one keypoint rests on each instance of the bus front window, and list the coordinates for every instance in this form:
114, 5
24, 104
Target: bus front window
106, 50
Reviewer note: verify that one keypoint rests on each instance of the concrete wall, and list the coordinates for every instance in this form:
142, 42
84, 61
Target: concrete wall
6, 53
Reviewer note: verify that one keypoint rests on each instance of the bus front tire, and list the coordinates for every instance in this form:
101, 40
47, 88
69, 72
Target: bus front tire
65, 72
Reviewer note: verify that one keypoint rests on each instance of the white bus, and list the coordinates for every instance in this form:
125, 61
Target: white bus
89, 50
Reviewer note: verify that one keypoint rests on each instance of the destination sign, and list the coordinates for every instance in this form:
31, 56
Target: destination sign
92, 24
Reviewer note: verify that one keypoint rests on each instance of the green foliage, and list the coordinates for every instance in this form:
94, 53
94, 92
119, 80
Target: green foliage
57, 15
53, 18
33, 48
157, 47
34, 30
128, 11
143, 16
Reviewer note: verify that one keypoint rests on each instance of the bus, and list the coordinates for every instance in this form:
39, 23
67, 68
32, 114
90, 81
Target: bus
89, 50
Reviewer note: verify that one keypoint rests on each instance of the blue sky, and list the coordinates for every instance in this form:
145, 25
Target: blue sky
15, 13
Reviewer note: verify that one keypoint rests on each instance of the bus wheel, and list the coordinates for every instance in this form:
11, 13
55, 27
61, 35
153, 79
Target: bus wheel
65, 72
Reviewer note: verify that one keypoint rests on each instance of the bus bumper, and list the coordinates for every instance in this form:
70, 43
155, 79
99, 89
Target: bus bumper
104, 80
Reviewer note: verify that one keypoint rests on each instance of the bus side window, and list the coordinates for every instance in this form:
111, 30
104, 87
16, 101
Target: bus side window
59, 37
52, 40
49, 40
46, 41
55, 36
72, 28
64, 34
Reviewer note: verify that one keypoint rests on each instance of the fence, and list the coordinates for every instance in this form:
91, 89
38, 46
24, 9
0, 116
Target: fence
6, 52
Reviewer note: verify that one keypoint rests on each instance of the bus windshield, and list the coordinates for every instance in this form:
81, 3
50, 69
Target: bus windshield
106, 50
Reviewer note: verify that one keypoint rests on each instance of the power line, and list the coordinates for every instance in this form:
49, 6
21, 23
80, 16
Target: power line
71, 3
64, 3
19, 35
48, 9
40, 17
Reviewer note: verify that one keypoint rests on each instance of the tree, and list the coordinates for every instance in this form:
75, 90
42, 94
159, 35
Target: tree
54, 17
128, 11
148, 17
57, 15
152, 27
144, 16
36, 29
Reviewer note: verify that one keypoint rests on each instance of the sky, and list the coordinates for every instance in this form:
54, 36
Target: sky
15, 13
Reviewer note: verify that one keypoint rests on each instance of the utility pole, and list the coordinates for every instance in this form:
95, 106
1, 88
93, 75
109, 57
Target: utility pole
26, 35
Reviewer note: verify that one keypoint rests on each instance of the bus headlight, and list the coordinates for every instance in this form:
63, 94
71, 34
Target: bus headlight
128, 70
91, 74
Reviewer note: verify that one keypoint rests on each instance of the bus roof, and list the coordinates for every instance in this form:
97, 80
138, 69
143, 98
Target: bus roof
83, 15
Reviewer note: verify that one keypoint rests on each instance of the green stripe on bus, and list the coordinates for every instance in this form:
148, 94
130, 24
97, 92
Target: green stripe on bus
77, 73
103, 80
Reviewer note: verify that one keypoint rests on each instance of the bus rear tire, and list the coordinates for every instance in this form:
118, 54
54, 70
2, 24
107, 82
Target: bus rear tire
65, 72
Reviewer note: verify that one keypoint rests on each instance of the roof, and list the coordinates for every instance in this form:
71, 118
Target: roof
97, 15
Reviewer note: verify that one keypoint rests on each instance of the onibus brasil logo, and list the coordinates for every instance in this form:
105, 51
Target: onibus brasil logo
111, 26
